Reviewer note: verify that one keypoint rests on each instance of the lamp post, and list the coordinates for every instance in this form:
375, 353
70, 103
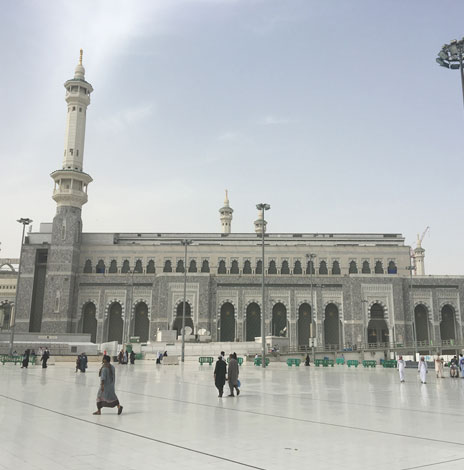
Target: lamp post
451, 57
364, 303
411, 269
186, 243
310, 257
263, 207
128, 318
25, 222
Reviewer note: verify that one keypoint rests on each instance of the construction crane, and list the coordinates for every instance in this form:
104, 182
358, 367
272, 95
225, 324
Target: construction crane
419, 239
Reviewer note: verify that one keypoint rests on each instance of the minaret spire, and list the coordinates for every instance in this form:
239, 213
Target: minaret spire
71, 182
226, 215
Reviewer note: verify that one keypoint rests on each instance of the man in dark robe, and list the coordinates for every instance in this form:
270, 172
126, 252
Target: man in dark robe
25, 359
132, 357
45, 357
220, 375
83, 362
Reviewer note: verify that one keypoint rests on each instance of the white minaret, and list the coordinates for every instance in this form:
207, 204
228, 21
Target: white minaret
226, 215
419, 256
259, 222
70, 182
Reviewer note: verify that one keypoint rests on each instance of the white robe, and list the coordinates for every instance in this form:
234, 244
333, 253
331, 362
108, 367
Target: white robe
422, 368
401, 367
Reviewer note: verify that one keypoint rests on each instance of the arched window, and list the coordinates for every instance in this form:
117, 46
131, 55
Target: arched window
272, 267
366, 269
234, 267
259, 268
377, 329
297, 268
227, 322
151, 267
180, 266
448, 323
378, 267
310, 267
100, 268
253, 322
392, 269
113, 267
331, 327
353, 268
125, 267
284, 269
167, 266
88, 267
115, 322
138, 266
421, 319
279, 320
193, 266
323, 268
205, 266
222, 267
336, 268
247, 267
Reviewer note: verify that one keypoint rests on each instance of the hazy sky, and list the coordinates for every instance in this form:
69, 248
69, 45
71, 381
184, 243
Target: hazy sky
334, 112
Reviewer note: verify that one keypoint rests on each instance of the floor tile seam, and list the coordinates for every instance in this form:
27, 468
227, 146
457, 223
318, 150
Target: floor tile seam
433, 464
412, 410
133, 434
321, 423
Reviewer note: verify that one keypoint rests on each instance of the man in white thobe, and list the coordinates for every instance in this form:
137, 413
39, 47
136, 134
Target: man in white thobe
422, 369
401, 366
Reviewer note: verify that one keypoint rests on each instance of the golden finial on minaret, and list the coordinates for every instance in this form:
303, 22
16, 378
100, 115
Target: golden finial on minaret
227, 197
80, 56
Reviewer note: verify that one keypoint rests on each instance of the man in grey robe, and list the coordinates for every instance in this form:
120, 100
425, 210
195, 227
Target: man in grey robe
232, 374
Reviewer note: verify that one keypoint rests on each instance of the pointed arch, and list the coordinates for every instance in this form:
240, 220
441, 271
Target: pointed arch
141, 321
113, 267
247, 267
378, 269
234, 269
279, 320
227, 322
192, 266
89, 320
323, 268
366, 269
336, 268
167, 266
88, 267
138, 267
115, 322
180, 266
353, 269
222, 267
125, 266
253, 321
205, 266
297, 269
151, 267
272, 267
284, 268
100, 268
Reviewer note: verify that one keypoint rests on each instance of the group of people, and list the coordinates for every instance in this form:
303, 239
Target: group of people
44, 357
124, 357
456, 365
160, 355
227, 372
81, 362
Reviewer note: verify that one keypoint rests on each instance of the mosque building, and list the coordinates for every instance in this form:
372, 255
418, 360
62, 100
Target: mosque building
337, 290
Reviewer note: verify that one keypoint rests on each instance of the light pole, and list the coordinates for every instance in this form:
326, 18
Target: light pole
364, 303
451, 56
263, 207
186, 243
25, 222
128, 319
310, 257
411, 269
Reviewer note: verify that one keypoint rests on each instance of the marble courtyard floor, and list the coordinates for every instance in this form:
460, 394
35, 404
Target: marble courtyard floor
285, 418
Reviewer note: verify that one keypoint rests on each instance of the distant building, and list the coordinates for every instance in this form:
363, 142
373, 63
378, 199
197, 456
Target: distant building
116, 285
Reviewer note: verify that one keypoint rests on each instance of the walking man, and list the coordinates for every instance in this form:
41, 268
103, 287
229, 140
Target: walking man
401, 367
220, 375
45, 358
439, 366
422, 369
233, 375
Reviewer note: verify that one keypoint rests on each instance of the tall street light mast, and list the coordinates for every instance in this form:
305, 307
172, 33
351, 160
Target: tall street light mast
451, 57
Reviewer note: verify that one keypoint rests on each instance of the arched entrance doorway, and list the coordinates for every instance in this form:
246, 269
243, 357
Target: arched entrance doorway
178, 320
89, 321
422, 327
253, 321
227, 322
5, 315
279, 320
304, 324
377, 329
141, 322
448, 323
115, 322
331, 327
